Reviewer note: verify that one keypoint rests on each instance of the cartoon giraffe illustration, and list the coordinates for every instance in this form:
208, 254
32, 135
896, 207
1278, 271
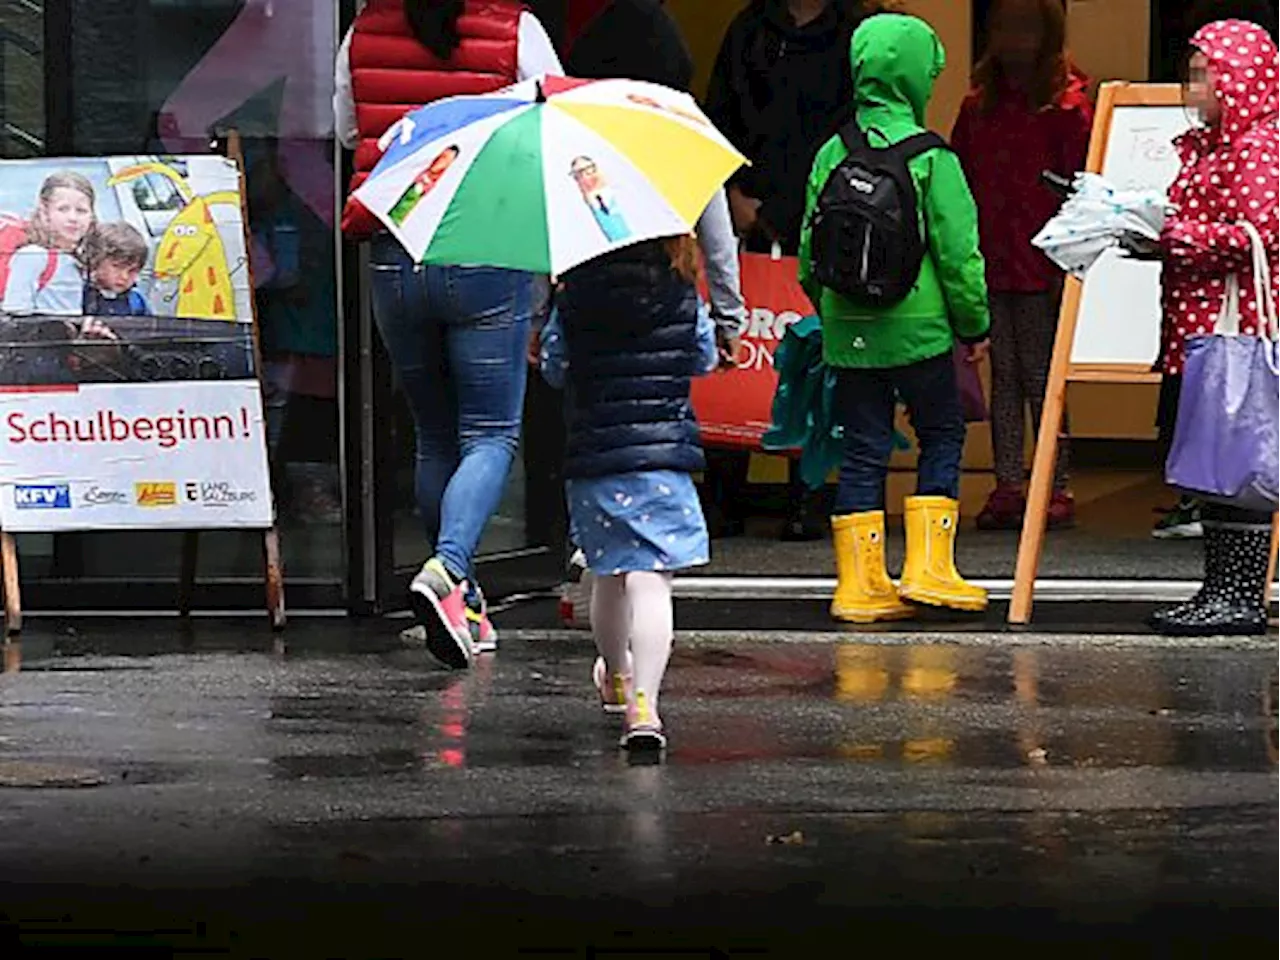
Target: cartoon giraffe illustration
191, 249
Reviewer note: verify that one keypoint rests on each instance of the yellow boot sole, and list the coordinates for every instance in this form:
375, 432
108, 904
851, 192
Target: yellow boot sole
865, 616
945, 601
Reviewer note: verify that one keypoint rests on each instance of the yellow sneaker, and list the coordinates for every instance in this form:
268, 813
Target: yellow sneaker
612, 689
643, 733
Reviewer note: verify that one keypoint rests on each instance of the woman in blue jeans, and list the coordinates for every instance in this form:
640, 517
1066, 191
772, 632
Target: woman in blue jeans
457, 338
456, 335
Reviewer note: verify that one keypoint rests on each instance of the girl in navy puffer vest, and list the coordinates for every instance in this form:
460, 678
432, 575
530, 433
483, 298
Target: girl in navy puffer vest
626, 343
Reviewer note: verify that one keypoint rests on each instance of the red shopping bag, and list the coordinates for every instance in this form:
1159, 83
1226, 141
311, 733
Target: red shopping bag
734, 406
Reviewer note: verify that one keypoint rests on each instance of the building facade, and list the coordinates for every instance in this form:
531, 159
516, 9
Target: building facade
85, 78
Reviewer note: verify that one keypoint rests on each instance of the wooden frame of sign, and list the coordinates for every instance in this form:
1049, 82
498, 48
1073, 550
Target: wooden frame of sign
1063, 371
273, 570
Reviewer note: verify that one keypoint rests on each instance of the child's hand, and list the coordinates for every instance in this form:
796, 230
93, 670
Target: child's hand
534, 350
977, 352
95, 329
730, 352
744, 210
1137, 247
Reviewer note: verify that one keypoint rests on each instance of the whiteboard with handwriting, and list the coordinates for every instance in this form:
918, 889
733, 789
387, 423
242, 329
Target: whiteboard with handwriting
1119, 319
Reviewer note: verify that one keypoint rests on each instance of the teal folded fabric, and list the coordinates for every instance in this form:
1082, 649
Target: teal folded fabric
803, 416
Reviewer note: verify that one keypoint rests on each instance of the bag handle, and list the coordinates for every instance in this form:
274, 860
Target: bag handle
1263, 294
1228, 321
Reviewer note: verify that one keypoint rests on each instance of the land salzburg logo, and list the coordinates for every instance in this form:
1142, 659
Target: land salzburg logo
217, 493
153, 494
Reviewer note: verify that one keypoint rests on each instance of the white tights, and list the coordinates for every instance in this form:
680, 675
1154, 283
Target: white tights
632, 611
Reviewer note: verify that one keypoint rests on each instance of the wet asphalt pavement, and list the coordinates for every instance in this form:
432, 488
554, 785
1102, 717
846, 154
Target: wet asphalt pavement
213, 793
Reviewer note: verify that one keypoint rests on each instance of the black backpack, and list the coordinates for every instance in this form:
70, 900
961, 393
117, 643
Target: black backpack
865, 238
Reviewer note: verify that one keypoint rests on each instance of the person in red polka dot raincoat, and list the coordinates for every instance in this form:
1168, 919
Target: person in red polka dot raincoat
1229, 175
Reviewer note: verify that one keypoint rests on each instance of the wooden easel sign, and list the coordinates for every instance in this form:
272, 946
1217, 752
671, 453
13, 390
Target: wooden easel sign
130, 394
1109, 325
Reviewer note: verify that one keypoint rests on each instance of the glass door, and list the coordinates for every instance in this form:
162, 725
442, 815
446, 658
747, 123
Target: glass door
22, 96
169, 77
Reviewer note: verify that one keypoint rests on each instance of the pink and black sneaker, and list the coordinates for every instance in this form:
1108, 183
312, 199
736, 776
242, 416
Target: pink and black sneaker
484, 637
439, 602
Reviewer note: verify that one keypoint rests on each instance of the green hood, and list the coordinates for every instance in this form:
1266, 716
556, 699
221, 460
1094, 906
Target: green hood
896, 58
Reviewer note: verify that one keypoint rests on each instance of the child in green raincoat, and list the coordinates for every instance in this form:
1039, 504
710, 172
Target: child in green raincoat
903, 350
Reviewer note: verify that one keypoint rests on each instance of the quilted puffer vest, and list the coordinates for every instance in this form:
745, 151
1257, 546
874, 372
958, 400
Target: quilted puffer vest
630, 326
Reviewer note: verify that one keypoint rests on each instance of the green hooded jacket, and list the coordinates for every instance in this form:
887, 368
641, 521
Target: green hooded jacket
895, 60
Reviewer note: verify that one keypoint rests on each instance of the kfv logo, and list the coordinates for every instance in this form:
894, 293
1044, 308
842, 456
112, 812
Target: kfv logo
52, 497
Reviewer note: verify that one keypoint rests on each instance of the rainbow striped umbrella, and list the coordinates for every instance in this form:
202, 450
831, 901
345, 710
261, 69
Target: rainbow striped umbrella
547, 174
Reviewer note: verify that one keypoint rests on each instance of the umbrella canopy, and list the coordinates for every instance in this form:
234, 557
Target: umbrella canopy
547, 174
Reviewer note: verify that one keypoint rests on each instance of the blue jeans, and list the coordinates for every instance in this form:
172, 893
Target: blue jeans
457, 338
865, 403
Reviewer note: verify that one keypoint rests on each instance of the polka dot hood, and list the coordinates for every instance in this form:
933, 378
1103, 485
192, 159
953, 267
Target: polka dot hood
1229, 174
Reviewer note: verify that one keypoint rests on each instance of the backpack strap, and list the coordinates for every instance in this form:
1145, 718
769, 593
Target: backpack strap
50, 268
854, 140
917, 144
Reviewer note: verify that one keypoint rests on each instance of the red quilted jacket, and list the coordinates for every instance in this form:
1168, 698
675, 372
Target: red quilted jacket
392, 73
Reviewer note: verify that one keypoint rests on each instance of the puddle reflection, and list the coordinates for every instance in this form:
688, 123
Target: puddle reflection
1270, 699
429, 736
449, 728
647, 849
935, 704
923, 705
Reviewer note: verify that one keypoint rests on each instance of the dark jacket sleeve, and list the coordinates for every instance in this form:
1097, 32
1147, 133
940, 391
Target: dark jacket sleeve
962, 134
723, 101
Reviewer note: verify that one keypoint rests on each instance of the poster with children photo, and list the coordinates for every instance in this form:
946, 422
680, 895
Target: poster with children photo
126, 327
123, 269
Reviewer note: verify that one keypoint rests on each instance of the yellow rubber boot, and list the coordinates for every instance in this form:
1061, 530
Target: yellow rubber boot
864, 593
929, 576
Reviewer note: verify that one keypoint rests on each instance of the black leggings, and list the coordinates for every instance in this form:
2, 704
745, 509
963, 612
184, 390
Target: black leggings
1167, 413
1219, 513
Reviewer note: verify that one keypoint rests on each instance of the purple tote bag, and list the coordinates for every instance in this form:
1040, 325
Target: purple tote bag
969, 387
1225, 445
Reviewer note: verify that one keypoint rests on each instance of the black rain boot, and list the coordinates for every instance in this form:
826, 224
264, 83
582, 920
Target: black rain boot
806, 512
1231, 602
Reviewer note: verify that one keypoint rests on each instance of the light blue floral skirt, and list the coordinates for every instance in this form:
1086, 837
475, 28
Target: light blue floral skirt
630, 522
